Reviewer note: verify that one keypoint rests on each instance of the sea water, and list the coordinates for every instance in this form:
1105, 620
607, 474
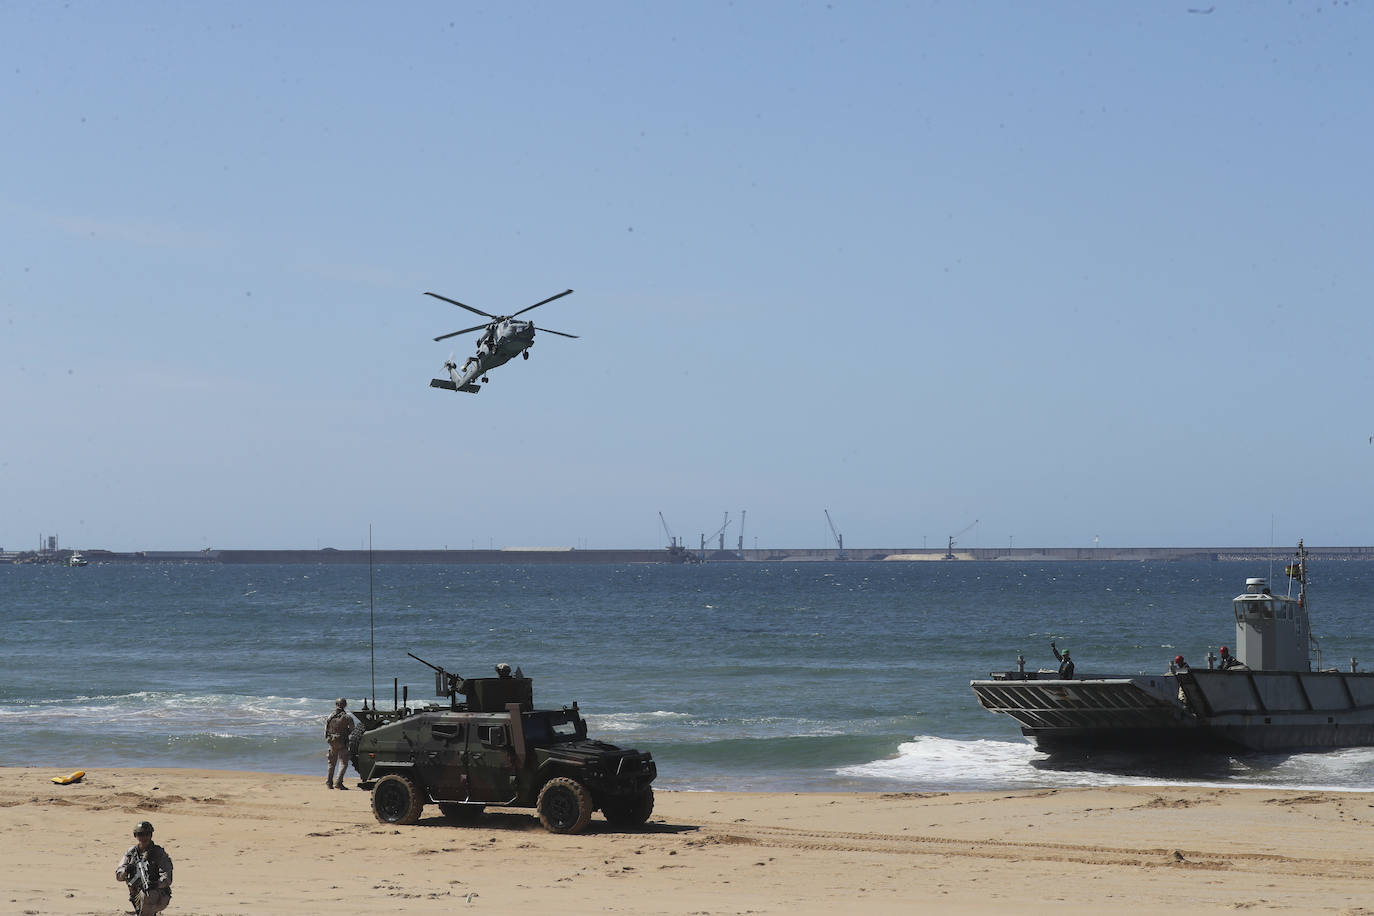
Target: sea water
763, 676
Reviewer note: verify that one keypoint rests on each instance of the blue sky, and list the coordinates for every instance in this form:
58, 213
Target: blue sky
1074, 270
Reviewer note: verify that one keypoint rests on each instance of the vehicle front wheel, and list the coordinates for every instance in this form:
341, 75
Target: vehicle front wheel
565, 805
397, 800
631, 812
460, 813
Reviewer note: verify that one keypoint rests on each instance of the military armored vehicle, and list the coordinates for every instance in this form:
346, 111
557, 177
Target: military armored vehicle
493, 748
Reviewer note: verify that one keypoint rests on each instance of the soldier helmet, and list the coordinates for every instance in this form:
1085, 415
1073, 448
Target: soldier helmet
1225, 651
340, 702
503, 669
1065, 653
1178, 659
143, 827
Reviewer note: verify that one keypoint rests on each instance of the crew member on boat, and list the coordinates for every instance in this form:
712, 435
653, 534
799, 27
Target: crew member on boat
1065, 663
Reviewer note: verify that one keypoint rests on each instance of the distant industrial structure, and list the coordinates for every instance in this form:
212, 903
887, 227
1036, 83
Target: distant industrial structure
675, 553
839, 538
49, 551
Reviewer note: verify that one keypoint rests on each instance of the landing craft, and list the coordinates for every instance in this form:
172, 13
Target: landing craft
1269, 697
502, 339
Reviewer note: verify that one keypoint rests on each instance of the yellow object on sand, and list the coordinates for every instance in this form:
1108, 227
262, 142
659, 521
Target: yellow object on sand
69, 778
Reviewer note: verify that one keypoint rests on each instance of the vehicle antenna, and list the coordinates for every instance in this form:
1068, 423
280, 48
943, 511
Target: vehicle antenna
371, 616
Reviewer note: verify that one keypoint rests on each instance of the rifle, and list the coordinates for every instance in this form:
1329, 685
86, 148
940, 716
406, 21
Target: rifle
140, 882
141, 876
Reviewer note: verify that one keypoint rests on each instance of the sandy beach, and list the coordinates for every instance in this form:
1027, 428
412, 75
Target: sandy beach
257, 843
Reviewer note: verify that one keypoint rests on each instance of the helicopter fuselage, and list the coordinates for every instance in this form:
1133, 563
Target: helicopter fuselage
499, 344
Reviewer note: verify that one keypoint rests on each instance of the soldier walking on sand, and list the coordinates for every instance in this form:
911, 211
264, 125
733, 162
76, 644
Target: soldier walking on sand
147, 869
337, 730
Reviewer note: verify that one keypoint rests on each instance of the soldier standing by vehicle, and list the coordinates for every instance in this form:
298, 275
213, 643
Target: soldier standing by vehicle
147, 869
336, 731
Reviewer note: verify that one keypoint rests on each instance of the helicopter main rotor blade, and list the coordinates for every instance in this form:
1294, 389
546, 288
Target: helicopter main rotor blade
559, 333
537, 304
468, 307
476, 327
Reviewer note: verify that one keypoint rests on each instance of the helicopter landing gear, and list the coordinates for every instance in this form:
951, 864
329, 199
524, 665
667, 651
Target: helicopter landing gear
525, 354
485, 380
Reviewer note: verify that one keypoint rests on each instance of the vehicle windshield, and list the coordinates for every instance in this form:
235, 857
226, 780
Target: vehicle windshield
552, 727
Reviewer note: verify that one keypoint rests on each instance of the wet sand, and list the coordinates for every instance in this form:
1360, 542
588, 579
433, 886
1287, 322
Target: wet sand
254, 843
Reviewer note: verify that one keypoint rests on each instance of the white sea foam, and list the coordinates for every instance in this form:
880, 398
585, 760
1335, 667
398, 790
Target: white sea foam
637, 721
948, 763
933, 763
169, 713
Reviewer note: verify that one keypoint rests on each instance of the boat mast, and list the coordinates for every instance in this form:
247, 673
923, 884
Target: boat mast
1298, 571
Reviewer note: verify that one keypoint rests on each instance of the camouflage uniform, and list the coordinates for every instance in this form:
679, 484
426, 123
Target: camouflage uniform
337, 730
155, 900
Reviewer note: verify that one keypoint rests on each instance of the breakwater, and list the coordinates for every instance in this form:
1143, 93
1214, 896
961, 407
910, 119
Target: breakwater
543, 556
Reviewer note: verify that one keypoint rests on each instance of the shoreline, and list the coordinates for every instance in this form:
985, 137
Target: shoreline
252, 843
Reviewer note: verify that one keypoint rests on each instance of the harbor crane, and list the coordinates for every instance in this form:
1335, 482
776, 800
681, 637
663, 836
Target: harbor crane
719, 532
677, 550
949, 551
839, 538
739, 551
672, 541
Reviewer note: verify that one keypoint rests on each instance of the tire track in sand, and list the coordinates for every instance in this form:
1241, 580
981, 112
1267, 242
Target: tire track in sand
778, 837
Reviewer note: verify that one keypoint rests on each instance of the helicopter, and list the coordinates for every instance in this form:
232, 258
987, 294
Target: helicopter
502, 338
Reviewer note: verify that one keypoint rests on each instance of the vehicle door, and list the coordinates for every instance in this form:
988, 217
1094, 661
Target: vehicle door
439, 764
490, 761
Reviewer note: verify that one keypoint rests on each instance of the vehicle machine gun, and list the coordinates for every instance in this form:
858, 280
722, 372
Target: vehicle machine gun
445, 684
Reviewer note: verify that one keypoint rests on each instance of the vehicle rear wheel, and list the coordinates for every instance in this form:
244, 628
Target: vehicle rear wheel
460, 813
397, 800
565, 805
630, 812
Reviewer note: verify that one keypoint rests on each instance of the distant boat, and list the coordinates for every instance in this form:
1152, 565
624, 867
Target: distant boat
1274, 699
77, 559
